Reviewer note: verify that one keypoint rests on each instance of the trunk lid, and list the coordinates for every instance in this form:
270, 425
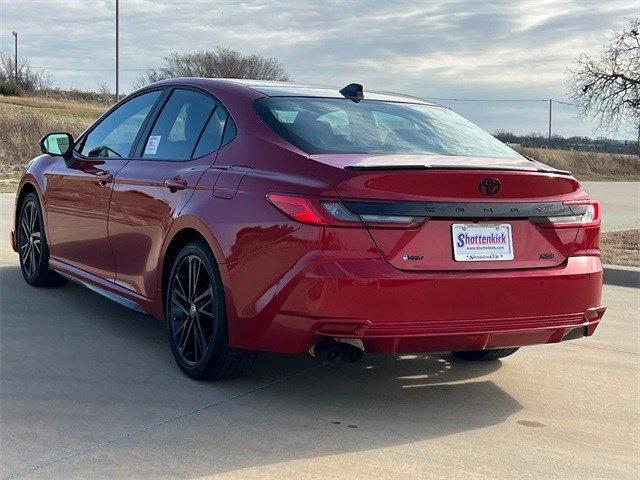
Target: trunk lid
445, 190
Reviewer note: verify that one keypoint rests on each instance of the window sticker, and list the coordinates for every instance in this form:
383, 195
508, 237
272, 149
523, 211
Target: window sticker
152, 145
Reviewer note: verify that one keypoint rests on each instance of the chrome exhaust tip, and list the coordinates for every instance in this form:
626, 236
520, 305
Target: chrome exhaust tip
333, 350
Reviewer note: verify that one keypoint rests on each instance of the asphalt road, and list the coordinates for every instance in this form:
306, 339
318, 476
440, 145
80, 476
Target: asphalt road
88, 389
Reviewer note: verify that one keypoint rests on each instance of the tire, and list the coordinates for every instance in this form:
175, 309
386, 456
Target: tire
485, 355
195, 311
32, 245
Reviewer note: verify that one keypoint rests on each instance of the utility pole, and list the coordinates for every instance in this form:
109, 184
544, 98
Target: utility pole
15, 58
117, 51
549, 143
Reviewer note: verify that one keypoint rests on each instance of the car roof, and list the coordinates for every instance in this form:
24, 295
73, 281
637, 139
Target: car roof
287, 89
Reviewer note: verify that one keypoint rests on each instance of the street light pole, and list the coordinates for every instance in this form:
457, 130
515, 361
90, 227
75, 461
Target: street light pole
117, 51
549, 143
15, 58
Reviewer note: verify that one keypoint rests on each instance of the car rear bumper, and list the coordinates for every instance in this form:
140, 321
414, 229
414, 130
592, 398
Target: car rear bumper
393, 311
476, 334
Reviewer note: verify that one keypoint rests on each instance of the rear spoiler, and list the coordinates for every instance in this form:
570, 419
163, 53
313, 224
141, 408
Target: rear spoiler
375, 168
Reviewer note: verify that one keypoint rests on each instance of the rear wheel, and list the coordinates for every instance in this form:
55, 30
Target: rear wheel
485, 355
195, 310
32, 246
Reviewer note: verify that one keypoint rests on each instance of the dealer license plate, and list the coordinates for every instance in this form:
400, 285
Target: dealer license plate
482, 242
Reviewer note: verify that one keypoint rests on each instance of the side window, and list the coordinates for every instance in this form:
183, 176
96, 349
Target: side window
114, 136
229, 132
219, 131
179, 125
212, 136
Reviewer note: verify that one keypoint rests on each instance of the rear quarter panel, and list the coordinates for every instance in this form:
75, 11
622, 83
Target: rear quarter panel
239, 225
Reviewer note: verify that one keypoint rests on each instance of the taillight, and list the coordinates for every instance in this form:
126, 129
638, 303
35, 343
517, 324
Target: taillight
585, 213
300, 209
318, 211
339, 210
392, 220
584, 219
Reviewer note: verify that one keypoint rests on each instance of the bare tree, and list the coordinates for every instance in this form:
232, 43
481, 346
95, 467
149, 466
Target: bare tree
104, 94
29, 79
220, 62
609, 87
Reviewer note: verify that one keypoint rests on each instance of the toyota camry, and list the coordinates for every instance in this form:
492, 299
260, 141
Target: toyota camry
251, 215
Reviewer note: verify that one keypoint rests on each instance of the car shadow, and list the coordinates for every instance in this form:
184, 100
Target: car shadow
78, 370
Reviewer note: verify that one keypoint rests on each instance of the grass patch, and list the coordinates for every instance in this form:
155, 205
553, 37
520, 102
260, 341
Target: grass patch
9, 185
621, 248
23, 121
53, 107
588, 165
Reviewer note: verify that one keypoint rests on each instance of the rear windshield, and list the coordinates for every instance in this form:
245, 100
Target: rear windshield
335, 125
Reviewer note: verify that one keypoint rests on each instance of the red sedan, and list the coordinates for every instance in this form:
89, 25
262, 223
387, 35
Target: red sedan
267, 216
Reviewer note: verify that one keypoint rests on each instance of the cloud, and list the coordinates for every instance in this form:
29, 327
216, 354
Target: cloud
499, 49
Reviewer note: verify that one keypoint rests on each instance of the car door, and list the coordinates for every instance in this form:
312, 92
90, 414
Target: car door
178, 146
79, 189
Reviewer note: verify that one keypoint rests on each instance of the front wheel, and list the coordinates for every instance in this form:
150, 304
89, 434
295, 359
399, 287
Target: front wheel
195, 310
485, 355
32, 245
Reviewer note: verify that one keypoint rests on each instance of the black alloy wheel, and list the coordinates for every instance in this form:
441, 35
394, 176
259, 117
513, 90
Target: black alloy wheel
30, 239
192, 310
32, 245
196, 312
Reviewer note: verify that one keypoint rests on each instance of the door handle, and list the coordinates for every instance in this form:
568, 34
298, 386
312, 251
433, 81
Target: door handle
104, 177
175, 184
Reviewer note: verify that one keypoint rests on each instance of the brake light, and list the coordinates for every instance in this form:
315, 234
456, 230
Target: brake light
584, 220
585, 213
300, 209
317, 211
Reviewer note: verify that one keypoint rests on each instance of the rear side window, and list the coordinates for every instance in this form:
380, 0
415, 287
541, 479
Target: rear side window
339, 125
179, 126
212, 135
229, 131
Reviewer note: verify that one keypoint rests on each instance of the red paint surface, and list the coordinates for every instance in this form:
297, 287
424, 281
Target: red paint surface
288, 284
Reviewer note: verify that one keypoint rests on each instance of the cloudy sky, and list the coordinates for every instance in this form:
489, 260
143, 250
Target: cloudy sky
497, 50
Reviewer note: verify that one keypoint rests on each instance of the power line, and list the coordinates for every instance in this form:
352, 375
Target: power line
550, 101
490, 99
503, 100
90, 69
566, 103
441, 99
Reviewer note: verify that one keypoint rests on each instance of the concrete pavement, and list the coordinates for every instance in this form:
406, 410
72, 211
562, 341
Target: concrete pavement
88, 389
620, 202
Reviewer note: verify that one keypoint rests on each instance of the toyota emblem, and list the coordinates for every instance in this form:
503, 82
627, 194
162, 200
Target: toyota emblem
489, 186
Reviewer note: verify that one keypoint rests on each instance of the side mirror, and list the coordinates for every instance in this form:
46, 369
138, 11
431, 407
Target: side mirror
57, 144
